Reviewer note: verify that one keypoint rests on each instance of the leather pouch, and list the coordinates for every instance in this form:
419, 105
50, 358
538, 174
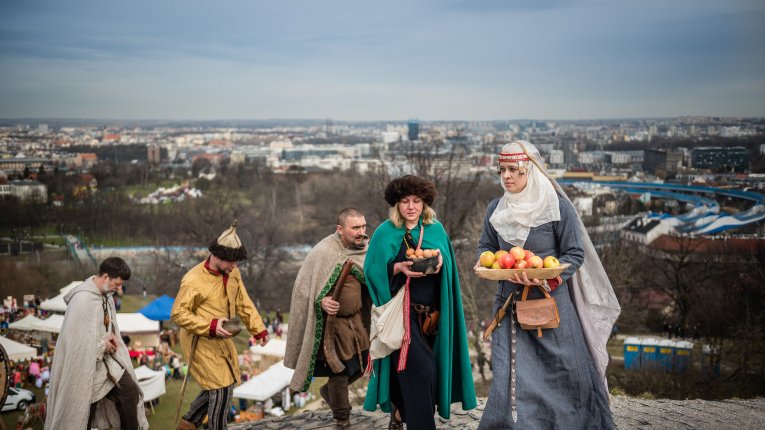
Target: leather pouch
537, 314
430, 323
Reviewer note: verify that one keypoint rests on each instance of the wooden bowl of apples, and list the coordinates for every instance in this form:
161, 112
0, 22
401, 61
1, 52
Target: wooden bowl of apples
424, 260
506, 274
503, 265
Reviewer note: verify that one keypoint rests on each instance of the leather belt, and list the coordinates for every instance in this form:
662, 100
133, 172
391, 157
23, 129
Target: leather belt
422, 309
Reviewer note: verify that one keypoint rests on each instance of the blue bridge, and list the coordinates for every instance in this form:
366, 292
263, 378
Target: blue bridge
706, 216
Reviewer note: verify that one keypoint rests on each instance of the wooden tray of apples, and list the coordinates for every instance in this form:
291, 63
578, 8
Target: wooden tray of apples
506, 274
503, 265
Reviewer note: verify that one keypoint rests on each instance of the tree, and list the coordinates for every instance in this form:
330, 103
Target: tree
297, 175
477, 294
200, 165
264, 270
458, 184
679, 271
729, 314
625, 269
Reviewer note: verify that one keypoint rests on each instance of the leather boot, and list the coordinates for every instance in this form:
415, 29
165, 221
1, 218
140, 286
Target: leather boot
342, 425
395, 423
186, 425
324, 392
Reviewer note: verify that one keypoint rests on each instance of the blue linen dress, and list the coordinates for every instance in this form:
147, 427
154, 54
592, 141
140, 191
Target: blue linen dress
556, 383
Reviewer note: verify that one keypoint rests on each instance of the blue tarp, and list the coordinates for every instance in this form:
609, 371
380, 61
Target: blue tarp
159, 309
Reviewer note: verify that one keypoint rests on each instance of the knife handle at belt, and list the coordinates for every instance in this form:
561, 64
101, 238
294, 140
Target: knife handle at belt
498, 317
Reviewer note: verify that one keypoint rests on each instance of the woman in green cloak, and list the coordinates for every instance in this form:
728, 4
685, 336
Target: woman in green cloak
435, 370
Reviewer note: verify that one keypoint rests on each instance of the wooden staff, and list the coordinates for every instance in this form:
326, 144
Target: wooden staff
330, 351
186, 377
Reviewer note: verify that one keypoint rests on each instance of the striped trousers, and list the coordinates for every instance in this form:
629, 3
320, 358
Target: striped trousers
213, 403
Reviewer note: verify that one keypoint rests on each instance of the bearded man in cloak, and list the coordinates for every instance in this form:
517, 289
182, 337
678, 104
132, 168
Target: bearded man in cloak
315, 310
92, 383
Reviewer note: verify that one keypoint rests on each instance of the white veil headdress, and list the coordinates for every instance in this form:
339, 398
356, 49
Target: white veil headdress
591, 290
536, 204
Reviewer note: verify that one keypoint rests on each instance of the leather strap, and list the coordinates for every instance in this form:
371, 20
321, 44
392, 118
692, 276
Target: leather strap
404, 351
526, 291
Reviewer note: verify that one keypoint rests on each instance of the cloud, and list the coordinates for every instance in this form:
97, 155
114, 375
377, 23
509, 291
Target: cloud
368, 60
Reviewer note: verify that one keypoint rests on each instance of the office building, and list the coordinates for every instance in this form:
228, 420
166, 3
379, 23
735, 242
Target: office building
717, 158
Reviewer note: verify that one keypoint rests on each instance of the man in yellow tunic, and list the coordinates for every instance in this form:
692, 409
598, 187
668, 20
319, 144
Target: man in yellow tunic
211, 293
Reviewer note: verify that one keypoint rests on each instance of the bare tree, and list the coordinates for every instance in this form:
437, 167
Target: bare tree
679, 272
477, 294
626, 269
729, 314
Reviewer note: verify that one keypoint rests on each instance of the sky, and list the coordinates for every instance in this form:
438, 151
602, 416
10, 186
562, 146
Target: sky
383, 60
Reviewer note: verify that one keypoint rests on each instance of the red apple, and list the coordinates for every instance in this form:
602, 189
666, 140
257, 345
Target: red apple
506, 261
518, 253
528, 254
521, 264
535, 262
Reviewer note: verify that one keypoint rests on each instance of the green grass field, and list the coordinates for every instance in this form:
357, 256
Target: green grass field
134, 302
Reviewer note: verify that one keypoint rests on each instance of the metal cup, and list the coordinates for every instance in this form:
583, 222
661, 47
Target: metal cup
233, 326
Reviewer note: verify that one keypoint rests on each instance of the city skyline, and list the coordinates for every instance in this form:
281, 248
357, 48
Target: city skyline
448, 60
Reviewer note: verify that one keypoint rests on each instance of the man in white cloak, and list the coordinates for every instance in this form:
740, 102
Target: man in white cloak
93, 384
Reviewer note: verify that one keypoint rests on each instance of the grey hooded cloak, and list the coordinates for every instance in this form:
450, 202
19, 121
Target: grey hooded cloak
79, 371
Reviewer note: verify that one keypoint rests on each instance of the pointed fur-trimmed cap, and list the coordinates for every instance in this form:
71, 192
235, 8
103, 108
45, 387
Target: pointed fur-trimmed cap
228, 247
408, 185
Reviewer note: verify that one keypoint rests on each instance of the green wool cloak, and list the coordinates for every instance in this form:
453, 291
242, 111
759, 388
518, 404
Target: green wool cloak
455, 377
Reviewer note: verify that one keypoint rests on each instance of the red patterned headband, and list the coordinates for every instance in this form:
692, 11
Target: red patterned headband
517, 156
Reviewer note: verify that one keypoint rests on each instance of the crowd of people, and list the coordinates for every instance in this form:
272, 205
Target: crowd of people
11, 312
27, 373
31, 372
162, 359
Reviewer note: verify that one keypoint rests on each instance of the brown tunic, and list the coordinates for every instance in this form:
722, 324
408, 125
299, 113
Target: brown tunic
351, 337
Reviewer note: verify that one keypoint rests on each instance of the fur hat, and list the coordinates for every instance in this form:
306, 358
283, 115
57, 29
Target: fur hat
228, 247
408, 185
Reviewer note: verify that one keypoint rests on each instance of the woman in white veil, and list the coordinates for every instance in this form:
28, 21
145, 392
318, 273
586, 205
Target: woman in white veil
557, 380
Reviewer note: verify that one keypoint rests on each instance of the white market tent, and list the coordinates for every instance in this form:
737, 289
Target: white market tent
54, 304
57, 304
52, 324
69, 287
28, 323
17, 351
274, 348
143, 332
135, 325
152, 383
267, 384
